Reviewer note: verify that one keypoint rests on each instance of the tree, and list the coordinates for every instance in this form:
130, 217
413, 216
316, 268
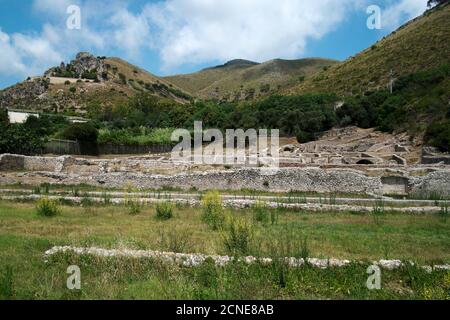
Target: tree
17, 139
85, 132
4, 118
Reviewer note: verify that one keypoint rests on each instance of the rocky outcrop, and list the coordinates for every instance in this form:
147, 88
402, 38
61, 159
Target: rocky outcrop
84, 64
22, 95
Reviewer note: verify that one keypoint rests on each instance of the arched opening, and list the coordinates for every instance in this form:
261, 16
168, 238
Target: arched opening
365, 162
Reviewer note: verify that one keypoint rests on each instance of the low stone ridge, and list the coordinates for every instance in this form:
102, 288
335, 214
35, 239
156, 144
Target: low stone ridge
235, 203
193, 260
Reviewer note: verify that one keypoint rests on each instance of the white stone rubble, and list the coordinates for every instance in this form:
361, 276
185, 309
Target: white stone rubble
193, 260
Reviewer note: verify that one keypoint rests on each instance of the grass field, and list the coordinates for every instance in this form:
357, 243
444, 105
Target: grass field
25, 236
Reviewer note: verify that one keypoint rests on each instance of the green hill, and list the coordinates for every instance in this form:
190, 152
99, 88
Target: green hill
244, 80
421, 44
87, 80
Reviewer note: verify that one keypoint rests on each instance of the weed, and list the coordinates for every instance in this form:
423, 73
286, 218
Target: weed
274, 216
177, 241
106, 199
45, 188
75, 192
47, 208
213, 213
378, 211
134, 206
304, 249
237, 236
260, 213
443, 213
6, 283
88, 205
164, 211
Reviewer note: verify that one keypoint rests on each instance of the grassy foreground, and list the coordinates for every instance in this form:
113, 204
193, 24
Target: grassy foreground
25, 236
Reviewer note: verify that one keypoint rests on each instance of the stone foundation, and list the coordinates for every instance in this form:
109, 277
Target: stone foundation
121, 173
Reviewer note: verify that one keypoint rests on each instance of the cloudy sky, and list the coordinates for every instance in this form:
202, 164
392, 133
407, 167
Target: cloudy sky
181, 36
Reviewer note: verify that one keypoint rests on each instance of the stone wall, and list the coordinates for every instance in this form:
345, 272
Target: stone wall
120, 173
9, 162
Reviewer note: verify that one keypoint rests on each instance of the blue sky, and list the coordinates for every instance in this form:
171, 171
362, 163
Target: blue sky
181, 36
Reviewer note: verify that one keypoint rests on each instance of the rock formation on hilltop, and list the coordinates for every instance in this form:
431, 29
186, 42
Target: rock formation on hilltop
85, 66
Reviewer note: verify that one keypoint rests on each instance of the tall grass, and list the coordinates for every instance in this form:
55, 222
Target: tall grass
6, 283
260, 213
237, 236
378, 211
174, 240
213, 212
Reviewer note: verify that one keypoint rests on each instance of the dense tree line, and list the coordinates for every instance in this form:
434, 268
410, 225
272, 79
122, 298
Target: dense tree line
293, 115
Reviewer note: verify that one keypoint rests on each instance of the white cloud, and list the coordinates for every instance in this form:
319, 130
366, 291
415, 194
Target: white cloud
10, 64
396, 12
131, 32
53, 7
193, 31
186, 31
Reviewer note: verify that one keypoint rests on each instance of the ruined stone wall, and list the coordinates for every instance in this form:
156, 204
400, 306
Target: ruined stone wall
437, 182
68, 170
9, 162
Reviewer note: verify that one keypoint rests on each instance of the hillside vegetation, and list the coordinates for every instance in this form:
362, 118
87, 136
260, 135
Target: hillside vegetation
87, 81
421, 44
245, 80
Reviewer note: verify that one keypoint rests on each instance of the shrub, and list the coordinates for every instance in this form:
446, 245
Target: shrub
260, 213
47, 208
85, 132
438, 135
67, 82
238, 236
213, 213
134, 206
304, 137
73, 89
18, 139
123, 78
164, 211
4, 118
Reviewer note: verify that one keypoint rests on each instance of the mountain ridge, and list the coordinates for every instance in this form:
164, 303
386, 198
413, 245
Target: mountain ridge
244, 80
